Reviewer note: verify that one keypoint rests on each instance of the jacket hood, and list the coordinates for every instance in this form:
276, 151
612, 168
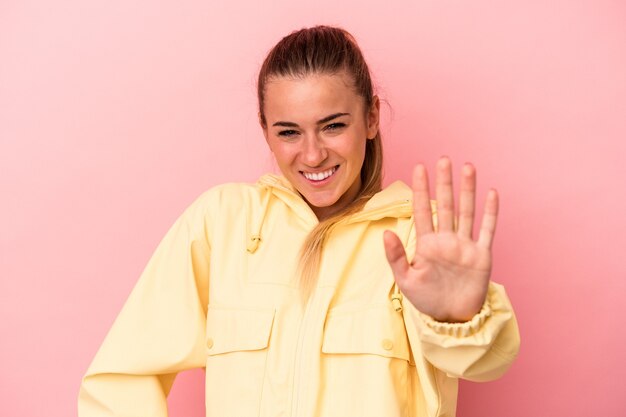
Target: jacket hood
393, 201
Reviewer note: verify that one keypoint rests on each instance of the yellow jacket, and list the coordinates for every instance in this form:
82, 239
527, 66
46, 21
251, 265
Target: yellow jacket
220, 293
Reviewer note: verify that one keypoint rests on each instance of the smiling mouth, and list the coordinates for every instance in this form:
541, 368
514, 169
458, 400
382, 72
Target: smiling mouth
319, 176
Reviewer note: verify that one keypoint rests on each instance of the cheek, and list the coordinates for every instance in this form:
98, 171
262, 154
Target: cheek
283, 154
355, 150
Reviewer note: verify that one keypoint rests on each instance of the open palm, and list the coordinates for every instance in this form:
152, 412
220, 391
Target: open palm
449, 274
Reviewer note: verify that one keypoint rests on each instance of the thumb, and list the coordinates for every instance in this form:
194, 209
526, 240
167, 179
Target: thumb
396, 256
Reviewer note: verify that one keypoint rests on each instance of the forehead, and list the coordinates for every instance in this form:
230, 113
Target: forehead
310, 97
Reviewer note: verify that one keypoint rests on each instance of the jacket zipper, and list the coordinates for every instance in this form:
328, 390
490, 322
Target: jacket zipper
298, 357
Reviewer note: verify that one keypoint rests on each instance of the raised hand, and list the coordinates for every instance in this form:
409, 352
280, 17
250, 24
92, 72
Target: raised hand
449, 274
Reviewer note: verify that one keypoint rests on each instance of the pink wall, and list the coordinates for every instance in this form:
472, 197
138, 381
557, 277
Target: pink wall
114, 116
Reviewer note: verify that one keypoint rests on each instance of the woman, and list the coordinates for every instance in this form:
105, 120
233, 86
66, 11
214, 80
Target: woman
295, 293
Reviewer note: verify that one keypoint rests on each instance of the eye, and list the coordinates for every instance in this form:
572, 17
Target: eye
287, 133
335, 126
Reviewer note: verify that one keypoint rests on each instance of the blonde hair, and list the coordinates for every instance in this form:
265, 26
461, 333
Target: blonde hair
326, 50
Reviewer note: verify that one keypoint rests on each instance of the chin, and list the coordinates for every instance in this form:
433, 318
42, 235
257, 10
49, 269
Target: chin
321, 203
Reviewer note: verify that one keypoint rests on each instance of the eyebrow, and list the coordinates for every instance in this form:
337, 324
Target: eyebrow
319, 122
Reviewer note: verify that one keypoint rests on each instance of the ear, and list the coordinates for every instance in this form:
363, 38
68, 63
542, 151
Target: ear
373, 118
263, 128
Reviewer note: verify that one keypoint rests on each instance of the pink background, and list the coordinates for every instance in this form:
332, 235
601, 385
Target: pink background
115, 115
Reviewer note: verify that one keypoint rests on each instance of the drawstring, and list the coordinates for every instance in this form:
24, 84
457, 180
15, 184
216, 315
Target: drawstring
253, 243
255, 236
396, 297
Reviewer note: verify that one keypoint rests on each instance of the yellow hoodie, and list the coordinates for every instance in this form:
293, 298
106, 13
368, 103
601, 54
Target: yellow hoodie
220, 292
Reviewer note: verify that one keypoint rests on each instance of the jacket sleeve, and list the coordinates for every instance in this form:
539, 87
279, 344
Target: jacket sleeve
160, 330
481, 349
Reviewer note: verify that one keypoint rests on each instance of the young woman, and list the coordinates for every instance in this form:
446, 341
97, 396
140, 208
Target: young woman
295, 293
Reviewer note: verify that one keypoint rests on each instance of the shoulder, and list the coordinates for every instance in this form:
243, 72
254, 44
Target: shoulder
231, 197
227, 192
224, 196
216, 209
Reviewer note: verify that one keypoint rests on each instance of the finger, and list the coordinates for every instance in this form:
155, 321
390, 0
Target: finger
445, 198
396, 256
421, 201
467, 201
490, 216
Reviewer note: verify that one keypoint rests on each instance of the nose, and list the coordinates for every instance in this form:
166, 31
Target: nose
314, 151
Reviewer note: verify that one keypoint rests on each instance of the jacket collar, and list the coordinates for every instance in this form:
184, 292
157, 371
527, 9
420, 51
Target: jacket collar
393, 201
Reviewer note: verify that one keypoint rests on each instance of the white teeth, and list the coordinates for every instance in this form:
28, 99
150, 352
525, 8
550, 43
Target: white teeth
318, 176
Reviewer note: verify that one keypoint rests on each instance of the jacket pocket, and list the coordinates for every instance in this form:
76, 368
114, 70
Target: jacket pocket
237, 341
365, 360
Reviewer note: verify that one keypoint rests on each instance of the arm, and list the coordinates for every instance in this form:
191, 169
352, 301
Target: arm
160, 330
464, 323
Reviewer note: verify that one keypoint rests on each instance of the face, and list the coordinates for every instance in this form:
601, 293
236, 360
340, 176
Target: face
317, 129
